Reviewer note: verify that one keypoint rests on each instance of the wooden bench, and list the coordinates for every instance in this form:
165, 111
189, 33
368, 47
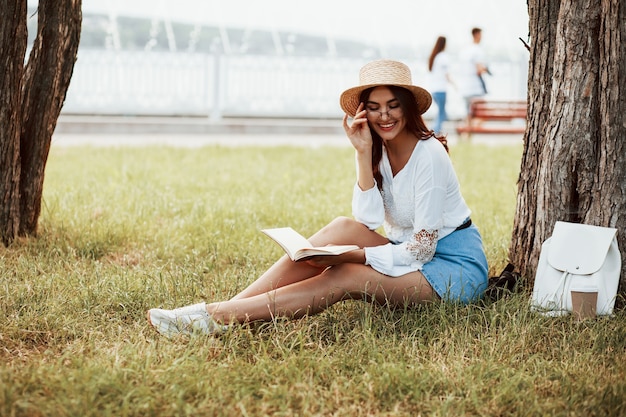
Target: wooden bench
491, 116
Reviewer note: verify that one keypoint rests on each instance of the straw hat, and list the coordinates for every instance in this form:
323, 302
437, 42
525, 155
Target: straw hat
384, 72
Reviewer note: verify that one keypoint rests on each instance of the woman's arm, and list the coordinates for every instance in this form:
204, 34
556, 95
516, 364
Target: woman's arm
361, 138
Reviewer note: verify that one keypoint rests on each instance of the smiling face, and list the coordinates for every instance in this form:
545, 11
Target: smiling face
384, 113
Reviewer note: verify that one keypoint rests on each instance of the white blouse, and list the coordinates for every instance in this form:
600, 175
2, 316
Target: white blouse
439, 73
417, 207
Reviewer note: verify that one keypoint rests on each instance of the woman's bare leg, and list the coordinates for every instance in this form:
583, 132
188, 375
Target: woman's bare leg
293, 290
313, 295
341, 231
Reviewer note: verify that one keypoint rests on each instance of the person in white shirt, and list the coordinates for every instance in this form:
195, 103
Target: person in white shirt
439, 67
472, 69
405, 182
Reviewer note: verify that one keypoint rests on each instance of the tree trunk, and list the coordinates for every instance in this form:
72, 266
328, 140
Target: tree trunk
573, 165
46, 80
13, 37
31, 98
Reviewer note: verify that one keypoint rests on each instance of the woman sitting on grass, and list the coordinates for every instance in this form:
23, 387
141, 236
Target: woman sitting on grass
406, 183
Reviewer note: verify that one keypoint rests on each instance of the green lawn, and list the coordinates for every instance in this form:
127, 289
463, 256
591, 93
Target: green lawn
123, 230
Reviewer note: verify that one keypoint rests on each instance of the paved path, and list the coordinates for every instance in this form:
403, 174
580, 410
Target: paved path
199, 140
196, 140
197, 132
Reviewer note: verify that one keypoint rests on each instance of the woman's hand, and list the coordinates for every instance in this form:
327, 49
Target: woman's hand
359, 132
361, 138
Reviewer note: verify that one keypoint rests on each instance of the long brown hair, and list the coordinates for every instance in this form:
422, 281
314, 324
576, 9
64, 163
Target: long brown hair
440, 45
414, 124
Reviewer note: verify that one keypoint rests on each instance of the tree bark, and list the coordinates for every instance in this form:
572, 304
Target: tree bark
46, 80
13, 37
31, 98
573, 165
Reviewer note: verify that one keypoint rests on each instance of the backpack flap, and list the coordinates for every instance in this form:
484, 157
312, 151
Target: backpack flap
579, 249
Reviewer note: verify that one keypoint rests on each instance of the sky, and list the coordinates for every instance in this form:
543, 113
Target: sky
416, 23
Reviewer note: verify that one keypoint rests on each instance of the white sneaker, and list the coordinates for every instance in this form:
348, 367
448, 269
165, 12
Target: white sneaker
188, 320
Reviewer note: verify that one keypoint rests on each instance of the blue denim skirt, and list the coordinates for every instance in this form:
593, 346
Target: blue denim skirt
458, 272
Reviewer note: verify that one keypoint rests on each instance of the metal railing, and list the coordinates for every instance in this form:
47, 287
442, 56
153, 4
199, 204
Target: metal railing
194, 84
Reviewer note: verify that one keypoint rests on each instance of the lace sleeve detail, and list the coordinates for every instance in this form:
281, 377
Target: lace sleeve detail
422, 245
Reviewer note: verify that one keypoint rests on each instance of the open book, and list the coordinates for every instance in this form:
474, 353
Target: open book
299, 248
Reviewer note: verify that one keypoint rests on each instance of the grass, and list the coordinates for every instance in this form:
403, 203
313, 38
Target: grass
123, 230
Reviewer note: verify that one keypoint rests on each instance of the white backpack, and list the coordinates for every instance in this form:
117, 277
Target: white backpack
577, 257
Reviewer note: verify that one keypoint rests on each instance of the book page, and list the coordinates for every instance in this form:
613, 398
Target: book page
298, 247
290, 240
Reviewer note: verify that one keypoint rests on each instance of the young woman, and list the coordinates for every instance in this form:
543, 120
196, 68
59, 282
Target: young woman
439, 67
405, 182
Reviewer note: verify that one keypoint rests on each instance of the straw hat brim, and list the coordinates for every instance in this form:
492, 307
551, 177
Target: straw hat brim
349, 99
